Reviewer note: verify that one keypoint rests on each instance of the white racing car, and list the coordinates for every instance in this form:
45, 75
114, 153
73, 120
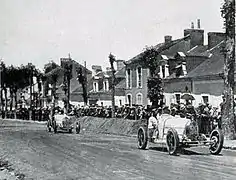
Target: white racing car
60, 121
177, 132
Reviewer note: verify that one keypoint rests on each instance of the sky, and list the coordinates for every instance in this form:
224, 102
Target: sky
39, 31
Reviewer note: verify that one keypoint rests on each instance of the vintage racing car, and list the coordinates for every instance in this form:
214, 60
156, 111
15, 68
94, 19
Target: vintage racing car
176, 133
60, 121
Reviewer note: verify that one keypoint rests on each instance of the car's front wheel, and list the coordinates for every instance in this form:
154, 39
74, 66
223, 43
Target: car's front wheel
172, 141
217, 141
142, 138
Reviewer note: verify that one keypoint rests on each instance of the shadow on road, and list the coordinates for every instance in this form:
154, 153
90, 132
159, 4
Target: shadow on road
181, 151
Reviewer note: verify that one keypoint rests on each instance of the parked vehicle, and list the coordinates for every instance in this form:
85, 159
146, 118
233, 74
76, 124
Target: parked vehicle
176, 133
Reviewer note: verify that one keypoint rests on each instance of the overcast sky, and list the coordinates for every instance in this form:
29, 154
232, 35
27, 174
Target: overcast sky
38, 31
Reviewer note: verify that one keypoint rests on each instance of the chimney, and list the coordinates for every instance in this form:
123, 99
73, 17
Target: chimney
196, 36
215, 38
192, 25
119, 64
198, 24
168, 38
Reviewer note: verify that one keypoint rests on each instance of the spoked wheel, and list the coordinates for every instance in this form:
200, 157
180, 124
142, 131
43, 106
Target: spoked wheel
142, 138
217, 141
172, 141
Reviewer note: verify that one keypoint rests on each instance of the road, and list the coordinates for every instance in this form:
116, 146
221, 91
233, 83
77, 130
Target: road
43, 155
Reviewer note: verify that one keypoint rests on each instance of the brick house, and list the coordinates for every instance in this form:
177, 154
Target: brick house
100, 93
188, 66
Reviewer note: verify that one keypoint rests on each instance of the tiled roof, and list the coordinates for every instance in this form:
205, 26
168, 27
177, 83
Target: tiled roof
120, 73
163, 48
197, 51
121, 84
212, 66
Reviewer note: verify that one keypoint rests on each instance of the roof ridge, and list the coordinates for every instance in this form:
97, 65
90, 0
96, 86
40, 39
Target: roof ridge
209, 50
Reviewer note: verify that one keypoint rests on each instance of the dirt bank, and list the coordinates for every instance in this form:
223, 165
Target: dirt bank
110, 125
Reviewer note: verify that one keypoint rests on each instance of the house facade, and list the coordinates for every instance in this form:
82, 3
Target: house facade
187, 66
100, 93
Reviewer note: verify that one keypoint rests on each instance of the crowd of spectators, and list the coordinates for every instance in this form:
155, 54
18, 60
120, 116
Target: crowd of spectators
204, 113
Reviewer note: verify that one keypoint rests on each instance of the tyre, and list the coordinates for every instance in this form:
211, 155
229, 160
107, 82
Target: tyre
142, 138
217, 141
172, 141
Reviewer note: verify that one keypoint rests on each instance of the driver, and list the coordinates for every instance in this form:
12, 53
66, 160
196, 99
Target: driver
152, 125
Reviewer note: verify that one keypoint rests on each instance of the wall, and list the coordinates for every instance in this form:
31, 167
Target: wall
134, 90
205, 87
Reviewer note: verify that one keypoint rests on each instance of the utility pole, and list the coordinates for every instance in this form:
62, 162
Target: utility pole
112, 60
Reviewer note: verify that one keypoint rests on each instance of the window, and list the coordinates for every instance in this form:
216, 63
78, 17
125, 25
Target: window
120, 102
139, 99
177, 97
105, 85
163, 71
95, 86
128, 78
129, 99
205, 99
139, 77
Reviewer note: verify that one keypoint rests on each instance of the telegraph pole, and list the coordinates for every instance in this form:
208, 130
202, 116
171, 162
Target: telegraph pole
112, 60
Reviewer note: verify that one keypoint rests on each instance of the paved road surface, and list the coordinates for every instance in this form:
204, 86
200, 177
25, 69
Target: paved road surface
42, 155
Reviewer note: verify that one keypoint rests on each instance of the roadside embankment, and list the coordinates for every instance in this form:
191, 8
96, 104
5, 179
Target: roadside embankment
109, 125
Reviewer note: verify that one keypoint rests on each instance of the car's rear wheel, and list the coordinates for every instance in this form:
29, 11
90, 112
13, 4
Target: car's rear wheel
172, 141
217, 141
142, 138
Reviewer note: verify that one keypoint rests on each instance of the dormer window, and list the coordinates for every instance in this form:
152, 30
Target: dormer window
139, 77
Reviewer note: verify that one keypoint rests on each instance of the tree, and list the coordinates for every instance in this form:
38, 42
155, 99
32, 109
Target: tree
67, 77
51, 76
3, 87
155, 90
82, 78
112, 60
228, 119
